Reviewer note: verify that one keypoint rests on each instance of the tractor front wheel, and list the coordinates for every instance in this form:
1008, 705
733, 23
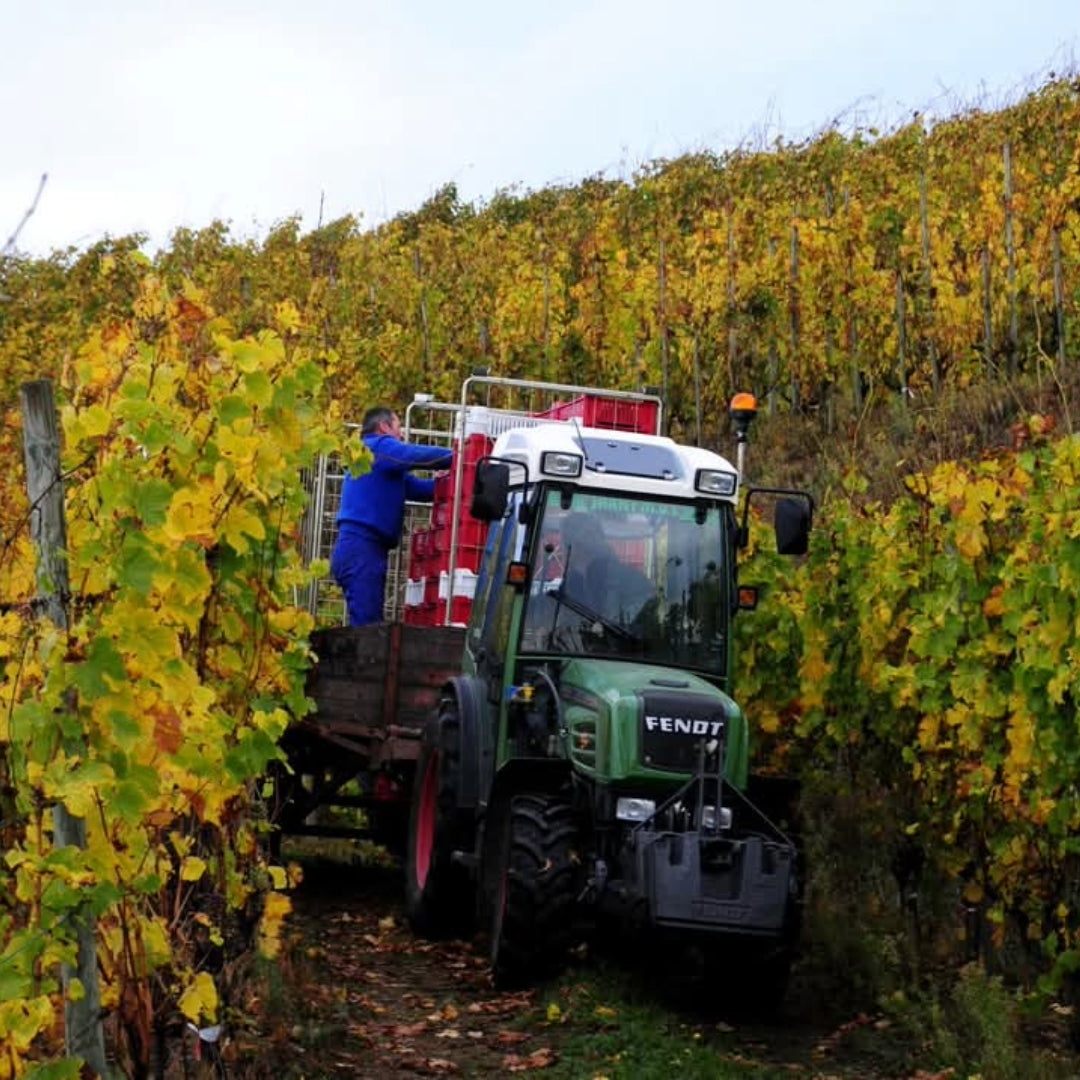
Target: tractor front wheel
535, 890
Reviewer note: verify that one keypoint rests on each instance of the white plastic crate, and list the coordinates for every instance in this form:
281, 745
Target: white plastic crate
414, 591
481, 420
464, 584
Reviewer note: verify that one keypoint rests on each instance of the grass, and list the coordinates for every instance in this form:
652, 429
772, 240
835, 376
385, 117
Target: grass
604, 1023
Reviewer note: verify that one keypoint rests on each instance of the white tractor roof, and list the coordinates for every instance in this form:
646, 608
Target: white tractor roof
613, 460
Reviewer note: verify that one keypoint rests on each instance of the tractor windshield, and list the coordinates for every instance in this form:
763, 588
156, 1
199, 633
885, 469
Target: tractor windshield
626, 576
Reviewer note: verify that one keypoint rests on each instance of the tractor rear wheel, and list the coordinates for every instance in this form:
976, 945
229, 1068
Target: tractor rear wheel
535, 890
439, 895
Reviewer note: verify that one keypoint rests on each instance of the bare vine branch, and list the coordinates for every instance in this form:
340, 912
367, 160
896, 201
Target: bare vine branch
10, 245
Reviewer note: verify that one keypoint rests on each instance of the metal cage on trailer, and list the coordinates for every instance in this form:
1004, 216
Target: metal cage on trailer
507, 403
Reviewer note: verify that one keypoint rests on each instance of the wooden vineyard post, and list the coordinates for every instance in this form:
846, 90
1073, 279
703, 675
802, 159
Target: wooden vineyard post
1010, 271
928, 288
84, 1035
1059, 299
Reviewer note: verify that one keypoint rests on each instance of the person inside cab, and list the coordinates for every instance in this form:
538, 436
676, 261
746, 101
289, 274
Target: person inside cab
596, 577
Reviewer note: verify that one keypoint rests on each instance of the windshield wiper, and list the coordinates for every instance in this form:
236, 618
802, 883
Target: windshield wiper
583, 609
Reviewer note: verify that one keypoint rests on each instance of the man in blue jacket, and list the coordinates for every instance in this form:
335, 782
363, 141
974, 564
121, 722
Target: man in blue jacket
373, 510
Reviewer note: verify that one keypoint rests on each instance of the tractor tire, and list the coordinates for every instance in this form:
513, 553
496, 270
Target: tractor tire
535, 891
439, 894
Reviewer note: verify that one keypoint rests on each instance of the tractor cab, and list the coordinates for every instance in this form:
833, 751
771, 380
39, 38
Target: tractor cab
618, 546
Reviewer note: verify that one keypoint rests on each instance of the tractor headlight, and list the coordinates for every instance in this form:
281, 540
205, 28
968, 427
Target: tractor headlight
708, 817
716, 482
556, 463
635, 809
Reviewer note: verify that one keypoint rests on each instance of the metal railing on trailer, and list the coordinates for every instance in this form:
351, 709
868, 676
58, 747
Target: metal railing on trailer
506, 403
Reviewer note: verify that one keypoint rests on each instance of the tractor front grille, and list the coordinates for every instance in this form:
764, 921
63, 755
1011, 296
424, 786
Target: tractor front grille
673, 726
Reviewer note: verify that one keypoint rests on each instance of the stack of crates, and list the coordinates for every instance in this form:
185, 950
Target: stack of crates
432, 583
614, 414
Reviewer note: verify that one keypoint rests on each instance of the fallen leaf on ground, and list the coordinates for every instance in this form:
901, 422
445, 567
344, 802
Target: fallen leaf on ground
511, 1038
440, 1065
538, 1059
404, 1031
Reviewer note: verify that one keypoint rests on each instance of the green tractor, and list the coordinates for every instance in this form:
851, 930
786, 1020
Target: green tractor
589, 765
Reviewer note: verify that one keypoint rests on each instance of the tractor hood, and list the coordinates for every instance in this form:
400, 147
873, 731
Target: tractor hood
638, 722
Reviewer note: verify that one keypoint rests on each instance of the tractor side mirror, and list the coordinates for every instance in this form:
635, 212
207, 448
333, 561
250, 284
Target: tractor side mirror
491, 491
792, 526
793, 512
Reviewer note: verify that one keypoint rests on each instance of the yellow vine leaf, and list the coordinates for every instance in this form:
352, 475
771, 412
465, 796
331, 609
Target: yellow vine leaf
192, 513
155, 941
78, 787
286, 317
239, 524
1021, 735
970, 538
21, 1021
192, 868
276, 908
88, 423
768, 719
929, 730
199, 1001
993, 605
1059, 684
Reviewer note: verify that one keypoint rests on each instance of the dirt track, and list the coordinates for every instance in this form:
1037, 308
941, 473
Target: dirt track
375, 1001
391, 1004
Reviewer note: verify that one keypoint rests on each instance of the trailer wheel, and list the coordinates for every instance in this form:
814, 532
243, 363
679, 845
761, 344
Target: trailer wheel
536, 883
438, 891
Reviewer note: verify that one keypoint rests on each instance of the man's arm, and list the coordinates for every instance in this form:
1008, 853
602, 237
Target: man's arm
392, 455
417, 490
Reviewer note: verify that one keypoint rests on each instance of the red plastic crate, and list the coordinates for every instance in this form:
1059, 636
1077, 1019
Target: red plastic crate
419, 544
615, 414
471, 535
476, 447
440, 514
431, 590
419, 615
445, 488
630, 552
467, 558
459, 612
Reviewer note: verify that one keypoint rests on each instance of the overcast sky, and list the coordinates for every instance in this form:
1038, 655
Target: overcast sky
149, 116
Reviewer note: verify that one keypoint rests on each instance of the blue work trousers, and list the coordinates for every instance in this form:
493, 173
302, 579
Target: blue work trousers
358, 565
